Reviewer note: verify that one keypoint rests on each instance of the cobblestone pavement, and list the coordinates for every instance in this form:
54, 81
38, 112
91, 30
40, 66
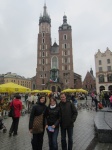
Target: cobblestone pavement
83, 134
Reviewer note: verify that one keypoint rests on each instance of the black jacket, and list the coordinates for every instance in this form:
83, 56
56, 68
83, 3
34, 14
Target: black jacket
68, 114
52, 116
37, 110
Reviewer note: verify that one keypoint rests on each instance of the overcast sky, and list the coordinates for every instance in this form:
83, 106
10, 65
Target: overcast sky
91, 22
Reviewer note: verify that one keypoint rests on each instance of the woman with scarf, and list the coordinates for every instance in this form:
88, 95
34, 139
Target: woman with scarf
52, 124
38, 109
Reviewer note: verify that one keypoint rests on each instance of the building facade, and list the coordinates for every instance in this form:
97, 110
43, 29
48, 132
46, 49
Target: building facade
54, 61
77, 81
89, 82
103, 64
13, 77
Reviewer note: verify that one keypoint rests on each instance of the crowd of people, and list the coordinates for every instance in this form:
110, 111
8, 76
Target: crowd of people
59, 113
102, 100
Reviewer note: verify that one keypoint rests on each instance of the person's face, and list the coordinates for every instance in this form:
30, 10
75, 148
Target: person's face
63, 98
42, 100
52, 102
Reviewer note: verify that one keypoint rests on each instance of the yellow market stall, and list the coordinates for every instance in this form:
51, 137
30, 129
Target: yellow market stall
13, 88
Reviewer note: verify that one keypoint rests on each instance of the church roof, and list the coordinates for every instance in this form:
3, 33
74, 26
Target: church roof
65, 25
55, 44
55, 48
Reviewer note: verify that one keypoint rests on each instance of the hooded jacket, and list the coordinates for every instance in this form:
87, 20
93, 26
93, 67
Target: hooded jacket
17, 104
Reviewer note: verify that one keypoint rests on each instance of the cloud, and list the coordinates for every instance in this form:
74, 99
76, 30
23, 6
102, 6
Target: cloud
91, 23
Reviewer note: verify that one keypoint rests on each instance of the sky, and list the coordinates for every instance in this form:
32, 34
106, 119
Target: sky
91, 22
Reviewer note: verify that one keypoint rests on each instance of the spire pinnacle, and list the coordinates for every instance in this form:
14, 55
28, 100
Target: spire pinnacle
45, 17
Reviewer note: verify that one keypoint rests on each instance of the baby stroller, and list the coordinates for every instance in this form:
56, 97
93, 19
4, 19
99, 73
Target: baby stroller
2, 127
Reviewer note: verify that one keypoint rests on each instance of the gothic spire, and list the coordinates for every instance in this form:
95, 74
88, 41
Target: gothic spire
45, 17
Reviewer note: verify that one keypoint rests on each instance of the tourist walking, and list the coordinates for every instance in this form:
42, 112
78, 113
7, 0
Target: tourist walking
37, 110
106, 97
52, 123
68, 114
17, 104
30, 102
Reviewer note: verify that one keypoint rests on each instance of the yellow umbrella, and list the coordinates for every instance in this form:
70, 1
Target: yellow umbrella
68, 91
45, 91
81, 90
74, 90
13, 88
35, 91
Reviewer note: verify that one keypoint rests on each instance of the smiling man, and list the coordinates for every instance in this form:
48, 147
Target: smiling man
68, 115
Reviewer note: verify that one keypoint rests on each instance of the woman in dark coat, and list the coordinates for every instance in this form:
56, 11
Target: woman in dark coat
52, 124
38, 109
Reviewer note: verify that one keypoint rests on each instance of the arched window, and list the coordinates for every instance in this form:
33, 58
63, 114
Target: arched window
43, 54
54, 62
101, 79
102, 88
110, 88
109, 77
43, 61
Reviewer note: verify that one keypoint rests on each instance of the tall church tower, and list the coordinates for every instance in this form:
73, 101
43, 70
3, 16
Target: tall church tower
54, 62
43, 50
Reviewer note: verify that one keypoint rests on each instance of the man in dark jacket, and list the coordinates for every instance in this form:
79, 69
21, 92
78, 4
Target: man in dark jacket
68, 115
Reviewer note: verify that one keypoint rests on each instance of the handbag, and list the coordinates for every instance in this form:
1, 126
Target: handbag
11, 112
38, 124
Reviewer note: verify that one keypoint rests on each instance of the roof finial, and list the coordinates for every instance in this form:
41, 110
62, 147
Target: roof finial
45, 10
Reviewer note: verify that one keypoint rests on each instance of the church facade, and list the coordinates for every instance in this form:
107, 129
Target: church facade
54, 61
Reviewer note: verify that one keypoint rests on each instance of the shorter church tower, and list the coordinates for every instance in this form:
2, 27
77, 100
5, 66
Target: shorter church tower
66, 55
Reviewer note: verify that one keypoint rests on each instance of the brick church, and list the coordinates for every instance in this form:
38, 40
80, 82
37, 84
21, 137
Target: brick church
54, 61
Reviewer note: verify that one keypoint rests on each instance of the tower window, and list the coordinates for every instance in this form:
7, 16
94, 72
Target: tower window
43, 40
64, 36
65, 60
43, 54
43, 61
43, 34
43, 47
65, 46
